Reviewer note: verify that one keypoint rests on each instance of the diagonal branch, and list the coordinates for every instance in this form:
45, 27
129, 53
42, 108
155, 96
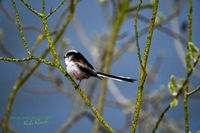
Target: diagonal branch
161, 116
137, 37
31, 8
141, 6
20, 82
20, 28
56, 8
193, 91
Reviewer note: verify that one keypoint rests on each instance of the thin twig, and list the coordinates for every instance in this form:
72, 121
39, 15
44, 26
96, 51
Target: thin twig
193, 91
28, 59
56, 8
43, 6
20, 82
142, 73
137, 37
12, 20
143, 6
20, 28
71, 121
51, 44
178, 94
31, 8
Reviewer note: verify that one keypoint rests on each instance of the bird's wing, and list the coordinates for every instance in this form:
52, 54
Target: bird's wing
81, 59
87, 70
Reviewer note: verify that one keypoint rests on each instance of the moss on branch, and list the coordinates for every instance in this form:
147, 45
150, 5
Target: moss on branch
20, 28
185, 100
20, 81
143, 69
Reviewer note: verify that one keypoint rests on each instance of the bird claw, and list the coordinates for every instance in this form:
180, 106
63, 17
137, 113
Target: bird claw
76, 87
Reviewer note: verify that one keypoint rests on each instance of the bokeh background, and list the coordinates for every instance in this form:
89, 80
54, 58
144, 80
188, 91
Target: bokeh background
41, 99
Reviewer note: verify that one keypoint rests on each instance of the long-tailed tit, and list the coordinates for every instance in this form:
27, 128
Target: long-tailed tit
79, 68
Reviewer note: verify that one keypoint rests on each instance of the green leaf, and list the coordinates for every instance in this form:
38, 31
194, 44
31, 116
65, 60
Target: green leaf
193, 50
198, 131
174, 103
191, 55
172, 86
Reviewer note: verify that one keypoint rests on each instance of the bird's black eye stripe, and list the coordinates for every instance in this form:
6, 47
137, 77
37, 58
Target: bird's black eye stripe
69, 54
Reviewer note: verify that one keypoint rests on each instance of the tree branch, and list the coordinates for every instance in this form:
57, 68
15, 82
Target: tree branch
193, 91
178, 94
186, 113
142, 73
21, 81
20, 28
31, 8
55, 9
143, 6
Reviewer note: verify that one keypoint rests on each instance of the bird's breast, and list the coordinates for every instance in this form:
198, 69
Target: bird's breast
74, 71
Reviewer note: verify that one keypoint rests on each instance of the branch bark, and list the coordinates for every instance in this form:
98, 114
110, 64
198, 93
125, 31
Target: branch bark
142, 72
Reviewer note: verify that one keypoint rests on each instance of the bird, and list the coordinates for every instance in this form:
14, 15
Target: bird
78, 67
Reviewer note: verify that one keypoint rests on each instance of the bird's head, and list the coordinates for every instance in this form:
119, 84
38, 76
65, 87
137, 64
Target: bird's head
69, 56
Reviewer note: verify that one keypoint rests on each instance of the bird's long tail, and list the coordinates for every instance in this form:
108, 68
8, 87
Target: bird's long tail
118, 78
